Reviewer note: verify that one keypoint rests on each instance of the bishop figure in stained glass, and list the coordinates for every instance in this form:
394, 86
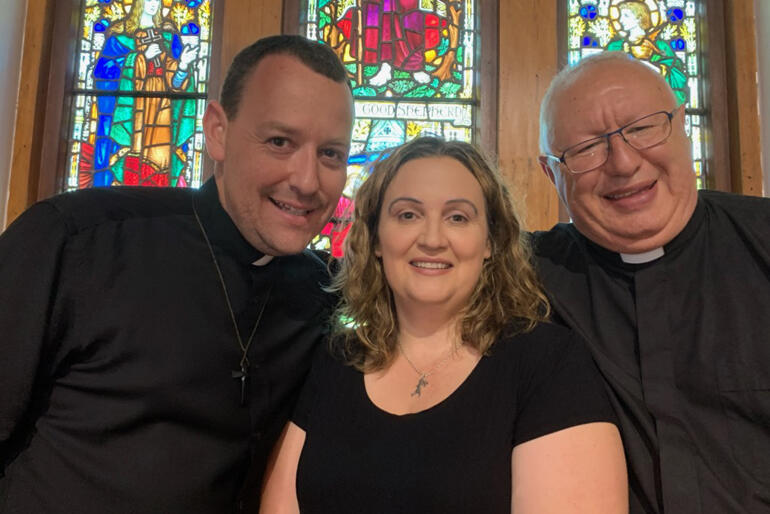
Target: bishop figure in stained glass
142, 139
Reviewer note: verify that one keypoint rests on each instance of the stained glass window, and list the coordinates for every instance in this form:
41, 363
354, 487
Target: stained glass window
140, 90
413, 68
665, 34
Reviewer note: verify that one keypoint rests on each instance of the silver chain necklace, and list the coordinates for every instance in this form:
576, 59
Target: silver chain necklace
423, 380
241, 374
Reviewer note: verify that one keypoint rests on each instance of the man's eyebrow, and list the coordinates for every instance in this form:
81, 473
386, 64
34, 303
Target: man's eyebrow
291, 131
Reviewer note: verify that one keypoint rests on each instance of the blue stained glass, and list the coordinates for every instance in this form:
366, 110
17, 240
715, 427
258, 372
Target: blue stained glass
176, 46
678, 44
102, 153
103, 178
190, 28
104, 124
107, 69
588, 12
675, 15
106, 103
114, 48
109, 85
357, 159
100, 26
590, 42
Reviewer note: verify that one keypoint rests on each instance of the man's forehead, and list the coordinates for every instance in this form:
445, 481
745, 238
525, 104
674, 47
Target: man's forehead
617, 92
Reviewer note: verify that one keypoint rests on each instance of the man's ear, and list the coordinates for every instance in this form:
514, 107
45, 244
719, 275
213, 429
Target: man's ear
215, 130
546, 166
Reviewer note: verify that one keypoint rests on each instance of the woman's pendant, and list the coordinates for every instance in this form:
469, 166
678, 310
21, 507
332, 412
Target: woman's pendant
420, 384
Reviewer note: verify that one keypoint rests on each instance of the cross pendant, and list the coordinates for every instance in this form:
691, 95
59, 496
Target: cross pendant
420, 384
241, 374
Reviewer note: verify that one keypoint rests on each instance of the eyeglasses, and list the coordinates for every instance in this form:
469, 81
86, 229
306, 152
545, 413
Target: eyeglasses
640, 134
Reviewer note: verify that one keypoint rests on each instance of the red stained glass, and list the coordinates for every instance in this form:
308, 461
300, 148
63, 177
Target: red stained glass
432, 38
372, 38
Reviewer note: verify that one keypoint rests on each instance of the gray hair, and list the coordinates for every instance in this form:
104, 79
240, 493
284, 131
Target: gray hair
569, 75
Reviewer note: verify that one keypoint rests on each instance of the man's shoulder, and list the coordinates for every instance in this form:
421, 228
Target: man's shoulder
561, 241
91, 207
751, 206
305, 264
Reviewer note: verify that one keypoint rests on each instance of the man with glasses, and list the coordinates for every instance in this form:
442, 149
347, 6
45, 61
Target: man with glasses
670, 287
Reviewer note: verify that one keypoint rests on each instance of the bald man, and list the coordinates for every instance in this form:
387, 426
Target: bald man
669, 285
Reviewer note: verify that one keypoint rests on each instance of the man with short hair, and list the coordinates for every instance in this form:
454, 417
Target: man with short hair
669, 286
154, 340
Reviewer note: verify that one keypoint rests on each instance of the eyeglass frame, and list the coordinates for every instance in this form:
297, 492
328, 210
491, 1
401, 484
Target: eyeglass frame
669, 114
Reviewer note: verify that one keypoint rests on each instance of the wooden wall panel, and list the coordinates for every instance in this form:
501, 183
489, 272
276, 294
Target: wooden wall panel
742, 97
25, 158
528, 54
245, 21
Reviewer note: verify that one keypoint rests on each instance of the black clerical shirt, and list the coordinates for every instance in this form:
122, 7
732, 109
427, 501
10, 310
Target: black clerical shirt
683, 345
117, 354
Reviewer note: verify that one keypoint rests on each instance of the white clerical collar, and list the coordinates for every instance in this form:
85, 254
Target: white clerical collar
262, 260
641, 258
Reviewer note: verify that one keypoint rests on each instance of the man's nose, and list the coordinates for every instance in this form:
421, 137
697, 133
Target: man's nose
303, 176
623, 159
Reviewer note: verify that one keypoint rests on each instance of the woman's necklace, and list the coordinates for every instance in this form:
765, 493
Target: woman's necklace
423, 380
241, 374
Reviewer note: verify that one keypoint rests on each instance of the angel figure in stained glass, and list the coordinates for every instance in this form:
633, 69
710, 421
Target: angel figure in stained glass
642, 27
148, 133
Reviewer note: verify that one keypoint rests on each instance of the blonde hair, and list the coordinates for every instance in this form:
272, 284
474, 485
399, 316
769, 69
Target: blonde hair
507, 297
135, 17
639, 10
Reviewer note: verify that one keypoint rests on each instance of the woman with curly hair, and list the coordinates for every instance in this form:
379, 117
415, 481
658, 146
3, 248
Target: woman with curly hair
446, 390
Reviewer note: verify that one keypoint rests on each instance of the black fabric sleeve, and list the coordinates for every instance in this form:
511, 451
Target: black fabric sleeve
561, 387
30, 253
322, 361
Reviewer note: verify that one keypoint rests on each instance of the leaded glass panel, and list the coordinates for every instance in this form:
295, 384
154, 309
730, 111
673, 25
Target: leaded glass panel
665, 34
140, 92
412, 66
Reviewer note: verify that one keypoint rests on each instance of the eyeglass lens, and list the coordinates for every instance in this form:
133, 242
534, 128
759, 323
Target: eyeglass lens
640, 134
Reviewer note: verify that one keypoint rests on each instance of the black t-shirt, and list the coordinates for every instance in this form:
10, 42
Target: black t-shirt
455, 456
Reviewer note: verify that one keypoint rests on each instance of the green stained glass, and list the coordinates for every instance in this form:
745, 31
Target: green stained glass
665, 34
412, 67
139, 93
